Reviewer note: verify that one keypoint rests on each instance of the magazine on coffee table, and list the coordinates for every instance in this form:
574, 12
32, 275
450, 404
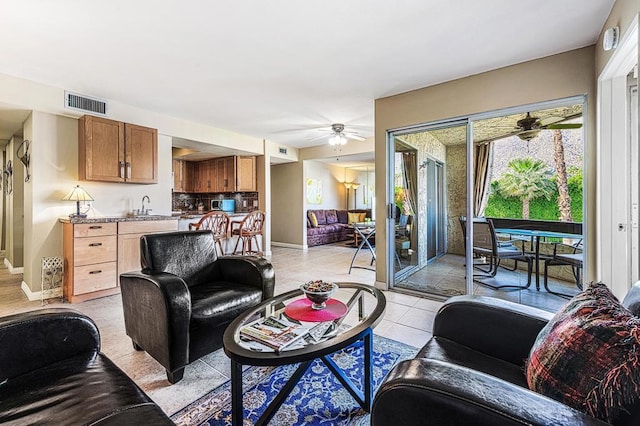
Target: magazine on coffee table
273, 332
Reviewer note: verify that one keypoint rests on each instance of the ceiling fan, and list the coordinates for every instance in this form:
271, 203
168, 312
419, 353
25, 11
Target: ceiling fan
528, 128
337, 135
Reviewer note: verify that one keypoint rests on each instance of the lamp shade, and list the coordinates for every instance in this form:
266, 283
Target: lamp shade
77, 194
355, 185
348, 185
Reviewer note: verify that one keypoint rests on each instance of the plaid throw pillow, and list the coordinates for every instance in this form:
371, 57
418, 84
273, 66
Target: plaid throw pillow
588, 356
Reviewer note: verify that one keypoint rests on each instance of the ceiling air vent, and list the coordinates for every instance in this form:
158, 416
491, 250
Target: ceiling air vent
85, 103
282, 150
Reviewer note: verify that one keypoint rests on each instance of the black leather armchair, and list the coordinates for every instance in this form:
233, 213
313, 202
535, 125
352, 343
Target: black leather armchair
179, 305
52, 372
472, 372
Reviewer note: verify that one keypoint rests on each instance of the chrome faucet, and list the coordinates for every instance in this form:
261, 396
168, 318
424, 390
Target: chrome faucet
143, 211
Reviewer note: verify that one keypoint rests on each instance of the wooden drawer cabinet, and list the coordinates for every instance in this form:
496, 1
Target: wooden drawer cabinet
90, 253
95, 254
90, 250
95, 277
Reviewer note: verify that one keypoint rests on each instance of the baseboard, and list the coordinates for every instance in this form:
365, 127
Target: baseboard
381, 285
11, 269
289, 245
37, 295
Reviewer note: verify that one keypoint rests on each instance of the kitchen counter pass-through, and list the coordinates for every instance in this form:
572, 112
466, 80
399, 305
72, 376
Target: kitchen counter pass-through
97, 250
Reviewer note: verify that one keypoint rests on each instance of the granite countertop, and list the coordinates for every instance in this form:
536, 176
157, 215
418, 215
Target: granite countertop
107, 219
194, 214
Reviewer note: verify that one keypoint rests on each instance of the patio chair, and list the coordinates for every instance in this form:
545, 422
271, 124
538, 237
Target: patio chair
488, 253
575, 259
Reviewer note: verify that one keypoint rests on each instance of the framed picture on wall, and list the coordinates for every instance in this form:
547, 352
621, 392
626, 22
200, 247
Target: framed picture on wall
314, 191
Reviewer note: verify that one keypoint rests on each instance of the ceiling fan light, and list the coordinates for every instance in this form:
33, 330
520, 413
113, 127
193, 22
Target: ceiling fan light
337, 139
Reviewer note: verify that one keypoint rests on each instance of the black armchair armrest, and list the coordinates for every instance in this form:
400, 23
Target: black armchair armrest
35, 339
249, 270
427, 391
499, 328
157, 312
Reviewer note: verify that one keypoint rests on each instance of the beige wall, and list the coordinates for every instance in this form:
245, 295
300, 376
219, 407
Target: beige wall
621, 15
555, 77
287, 205
14, 236
54, 159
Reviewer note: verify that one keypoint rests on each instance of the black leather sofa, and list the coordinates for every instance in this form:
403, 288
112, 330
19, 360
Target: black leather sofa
178, 306
472, 372
52, 372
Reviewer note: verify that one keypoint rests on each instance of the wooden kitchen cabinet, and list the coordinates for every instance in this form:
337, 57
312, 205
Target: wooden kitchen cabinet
225, 174
203, 176
95, 254
90, 260
245, 169
129, 234
112, 151
182, 176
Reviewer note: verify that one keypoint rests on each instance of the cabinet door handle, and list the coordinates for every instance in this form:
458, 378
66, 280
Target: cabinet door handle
95, 272
121, 169
95, 244
96, 227
128, 170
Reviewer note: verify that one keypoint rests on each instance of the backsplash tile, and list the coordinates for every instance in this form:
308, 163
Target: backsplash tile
245, 201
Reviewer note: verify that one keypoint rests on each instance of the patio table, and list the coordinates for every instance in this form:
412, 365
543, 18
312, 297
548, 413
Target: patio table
535, 236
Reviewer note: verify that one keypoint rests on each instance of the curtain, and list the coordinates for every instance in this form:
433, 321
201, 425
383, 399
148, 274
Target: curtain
483, 162
410, 171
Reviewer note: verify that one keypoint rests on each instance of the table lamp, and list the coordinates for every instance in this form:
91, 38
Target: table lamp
77, 194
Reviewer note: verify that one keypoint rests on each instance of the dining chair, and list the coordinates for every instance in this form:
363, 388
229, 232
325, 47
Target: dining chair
247, 232
488, 253
574, 258
218, 223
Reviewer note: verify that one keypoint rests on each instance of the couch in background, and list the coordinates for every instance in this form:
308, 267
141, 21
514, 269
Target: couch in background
325, 226
52, 372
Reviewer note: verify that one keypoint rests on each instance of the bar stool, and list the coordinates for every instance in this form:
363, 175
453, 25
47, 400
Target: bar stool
218, 223
247, 231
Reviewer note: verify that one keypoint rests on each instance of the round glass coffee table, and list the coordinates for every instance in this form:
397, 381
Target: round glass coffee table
365, 306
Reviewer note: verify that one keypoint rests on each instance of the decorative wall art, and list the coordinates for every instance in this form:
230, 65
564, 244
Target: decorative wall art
24, 157
8, 177
314, 191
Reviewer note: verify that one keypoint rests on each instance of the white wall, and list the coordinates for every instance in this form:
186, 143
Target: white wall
54, 162
333, 190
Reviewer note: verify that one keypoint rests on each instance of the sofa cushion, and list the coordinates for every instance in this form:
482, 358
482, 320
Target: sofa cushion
313, 220
77, 391
588, 355
231, 300
322, 216
343, 217
353, 217
332, 217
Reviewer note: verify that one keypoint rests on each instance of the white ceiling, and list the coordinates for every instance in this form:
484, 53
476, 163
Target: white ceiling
279, 69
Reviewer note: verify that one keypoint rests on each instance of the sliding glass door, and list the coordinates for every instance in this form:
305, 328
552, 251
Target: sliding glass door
428, 182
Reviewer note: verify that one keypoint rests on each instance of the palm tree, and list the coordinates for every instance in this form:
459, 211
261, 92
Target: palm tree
564, 199
526, 179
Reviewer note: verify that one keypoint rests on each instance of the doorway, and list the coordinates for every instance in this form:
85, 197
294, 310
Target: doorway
435, 208
429, 195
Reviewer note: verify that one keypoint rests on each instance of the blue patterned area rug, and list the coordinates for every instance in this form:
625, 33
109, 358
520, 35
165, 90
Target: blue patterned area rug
317, 399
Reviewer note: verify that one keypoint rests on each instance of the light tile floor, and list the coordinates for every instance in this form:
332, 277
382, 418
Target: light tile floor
408, 319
